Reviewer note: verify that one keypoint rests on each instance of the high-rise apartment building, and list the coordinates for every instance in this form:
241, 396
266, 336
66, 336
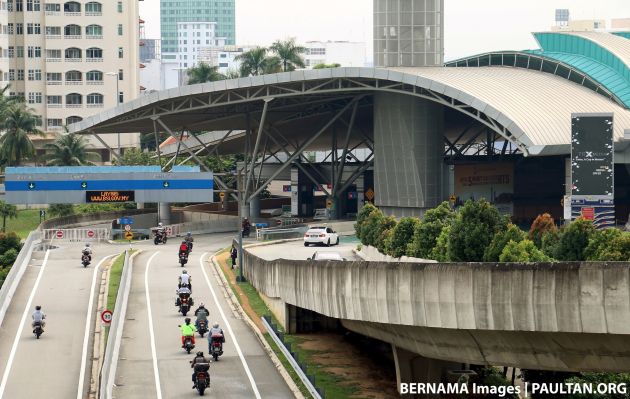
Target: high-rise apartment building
70, 60
194, 41
171, 12
346, 54
408, 33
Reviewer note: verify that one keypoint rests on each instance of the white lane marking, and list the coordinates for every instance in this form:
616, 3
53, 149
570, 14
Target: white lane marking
229, 328
156, 372
16, 341
88, 323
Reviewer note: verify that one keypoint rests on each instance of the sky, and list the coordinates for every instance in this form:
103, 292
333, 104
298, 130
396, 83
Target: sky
471, 26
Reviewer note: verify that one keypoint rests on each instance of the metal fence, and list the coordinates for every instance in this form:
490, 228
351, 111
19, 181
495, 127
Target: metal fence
76, 235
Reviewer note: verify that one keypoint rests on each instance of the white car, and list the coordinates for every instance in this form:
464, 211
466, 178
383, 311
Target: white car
326, 256
321, 235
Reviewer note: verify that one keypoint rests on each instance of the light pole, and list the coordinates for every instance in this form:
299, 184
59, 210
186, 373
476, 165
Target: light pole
117, 101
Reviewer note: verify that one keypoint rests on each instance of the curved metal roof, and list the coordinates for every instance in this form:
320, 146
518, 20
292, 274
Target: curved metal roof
530, 108
617, 45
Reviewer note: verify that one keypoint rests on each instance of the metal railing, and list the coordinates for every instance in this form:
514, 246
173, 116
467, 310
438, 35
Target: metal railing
96, 234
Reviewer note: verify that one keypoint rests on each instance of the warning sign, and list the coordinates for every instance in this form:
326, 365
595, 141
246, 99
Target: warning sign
128, 235
588, 213
369, 194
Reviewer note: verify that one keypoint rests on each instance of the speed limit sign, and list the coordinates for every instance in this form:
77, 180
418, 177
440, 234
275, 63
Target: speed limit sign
106, 316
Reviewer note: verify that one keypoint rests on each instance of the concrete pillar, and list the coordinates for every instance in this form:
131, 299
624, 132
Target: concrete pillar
139, 205
165, 212
360, 183
414, 368
295, 203
254, 208
409, 147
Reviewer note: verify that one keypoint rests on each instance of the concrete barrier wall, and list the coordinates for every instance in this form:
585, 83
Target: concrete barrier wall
209, 222
559, 297
371, 254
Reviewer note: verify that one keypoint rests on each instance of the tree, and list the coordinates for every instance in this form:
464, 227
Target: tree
15, 144
289, 53
594, 379
203, 73
362, 216
523, 251
135, 156
257, 62
7, 211
574, 240
371, 229
429, 229
385, 228
550, 243
60, 210
541, 224
500, 240
440, 250
70, 150
473, 229
401, 236
324, 66
608, 245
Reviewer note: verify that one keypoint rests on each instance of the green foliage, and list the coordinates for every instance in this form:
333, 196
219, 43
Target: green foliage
608, 245
385, 228
324, 66
18, 123
257, 62
289, 54
60, 210
7, 211
550, 243
440, 251
574, 239
599, 378
9, 241
7, 258
401, 235
362, 216
500, 240
70, 150
95, 208
202, 73
542, 224
491, 377
473, 229
429, 229
371, 228
136, 157
523, 251
9, 248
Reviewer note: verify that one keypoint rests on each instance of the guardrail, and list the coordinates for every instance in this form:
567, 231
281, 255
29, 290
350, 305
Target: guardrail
12, 281
114, 338
295, 232
96, 234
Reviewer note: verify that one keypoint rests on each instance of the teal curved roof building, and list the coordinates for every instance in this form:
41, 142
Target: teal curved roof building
597, 60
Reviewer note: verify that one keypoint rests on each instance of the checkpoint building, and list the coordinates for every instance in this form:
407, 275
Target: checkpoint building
495, 125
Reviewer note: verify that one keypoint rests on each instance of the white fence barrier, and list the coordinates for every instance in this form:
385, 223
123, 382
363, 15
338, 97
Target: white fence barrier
78, 235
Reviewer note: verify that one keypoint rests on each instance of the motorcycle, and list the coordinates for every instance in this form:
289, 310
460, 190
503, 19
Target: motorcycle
85, 259
190, 246
202, 378
184, 303
37, 329
183, 258
246, 231
160, 238
188, 345
216, 348
203, 327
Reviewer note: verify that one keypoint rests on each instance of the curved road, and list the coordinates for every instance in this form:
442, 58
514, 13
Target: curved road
152, 363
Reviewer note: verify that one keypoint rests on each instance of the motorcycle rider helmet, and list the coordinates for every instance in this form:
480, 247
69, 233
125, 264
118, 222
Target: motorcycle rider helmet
201, 305
183, 241
184, 271
87, 244
215, 325
38, 307
200, 354
160, 224
187, 320
189, 234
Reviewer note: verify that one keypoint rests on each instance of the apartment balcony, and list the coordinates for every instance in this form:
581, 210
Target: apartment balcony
53, 105
73, 60
72, 36
93, 60
95, 105
73, 82
53, 36
72, 14
53, 13
94, 82
53, 82
94, 36
54, 128
74, 105
53, 60
93, 14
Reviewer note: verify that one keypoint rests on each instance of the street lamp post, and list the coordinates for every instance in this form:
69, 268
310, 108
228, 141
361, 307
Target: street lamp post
117, 100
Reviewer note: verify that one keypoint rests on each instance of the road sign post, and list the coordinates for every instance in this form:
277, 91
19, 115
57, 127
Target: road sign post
106, 316
127, 227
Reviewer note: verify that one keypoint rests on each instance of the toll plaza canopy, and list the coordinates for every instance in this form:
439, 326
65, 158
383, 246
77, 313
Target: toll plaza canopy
530, 109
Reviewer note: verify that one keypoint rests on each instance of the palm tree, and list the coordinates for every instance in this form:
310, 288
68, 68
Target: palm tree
256, 62
7, 211
70, 150
15, 144
289, 53
203, 73
273, 64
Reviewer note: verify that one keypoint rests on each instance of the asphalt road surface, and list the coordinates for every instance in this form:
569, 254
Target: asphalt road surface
152, 363
297, 250
56, 365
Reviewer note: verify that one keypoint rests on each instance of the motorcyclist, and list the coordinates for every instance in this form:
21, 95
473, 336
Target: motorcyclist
181, 291
202, 314
189, 240
214, 334
199, 363
188, 331
184, 280
183, 248
87, 251
38, 317
160, 231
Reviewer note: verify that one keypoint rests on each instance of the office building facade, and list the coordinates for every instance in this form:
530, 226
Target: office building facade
172, 12
346, 54
194, 41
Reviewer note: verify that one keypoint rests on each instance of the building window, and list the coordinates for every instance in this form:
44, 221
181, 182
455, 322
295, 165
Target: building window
120, 6
33, 29
120, 74
34, 52
74, 76
52, 7
73, 53
94, 76
10, 5
10, 29
94, 30
20, 74
72, 30
53, 30
54, 123
19, 28
93, 8
53, 100
95, 99
53, 78
120, 52
11, 52
94, 53
32, 5
19, 5
20, 51
53, 53
121, 97
74, 99
34, 98
11, 74
120, 30
73, 119
72, 6
34, 74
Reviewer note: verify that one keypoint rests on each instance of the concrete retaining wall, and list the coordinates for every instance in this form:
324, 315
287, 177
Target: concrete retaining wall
209, 222
583, 309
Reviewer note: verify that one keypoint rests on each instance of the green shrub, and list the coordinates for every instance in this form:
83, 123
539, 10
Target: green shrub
523, 251
401, 236
429, 229
385, 228
600, 378
500, 240
9, 241
599, 242
542, 224
574, 240
60, 210
371, 228
361, 219
473, 229
551, 242
8, 257
440, 250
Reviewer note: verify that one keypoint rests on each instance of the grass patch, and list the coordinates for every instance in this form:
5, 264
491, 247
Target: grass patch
26, 221
115, 273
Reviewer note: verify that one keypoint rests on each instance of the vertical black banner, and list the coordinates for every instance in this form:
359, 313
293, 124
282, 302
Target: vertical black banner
592, 150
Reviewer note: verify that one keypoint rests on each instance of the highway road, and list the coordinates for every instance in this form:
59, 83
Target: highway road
152, 363
297, 250
56, 365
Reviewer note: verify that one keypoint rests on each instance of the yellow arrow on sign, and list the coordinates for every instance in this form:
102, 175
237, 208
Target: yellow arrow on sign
128, 235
